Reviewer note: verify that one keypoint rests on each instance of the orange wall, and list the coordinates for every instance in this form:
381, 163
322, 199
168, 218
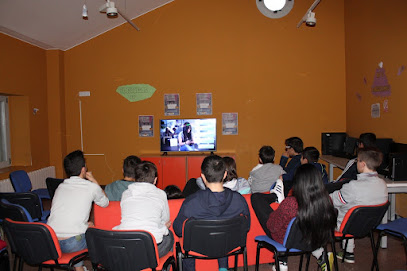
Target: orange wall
282, 81
23, 72
374, 33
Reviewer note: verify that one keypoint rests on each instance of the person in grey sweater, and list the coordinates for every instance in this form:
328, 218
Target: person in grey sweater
368, 189
265, 174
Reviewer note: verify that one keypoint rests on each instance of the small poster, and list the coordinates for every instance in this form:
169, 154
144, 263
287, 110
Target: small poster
171, 104
145, 126
204, 103
375, 110
230, 124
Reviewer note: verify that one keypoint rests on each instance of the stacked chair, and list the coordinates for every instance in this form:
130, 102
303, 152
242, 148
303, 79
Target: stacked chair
21, 183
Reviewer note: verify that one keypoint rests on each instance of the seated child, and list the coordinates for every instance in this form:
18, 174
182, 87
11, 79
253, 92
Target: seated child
309, 202
232, 181
115, 190
215, 202
350, 172
368, 189
293, 149
173, 192
310, 155
145, 207
265, 174
72, 203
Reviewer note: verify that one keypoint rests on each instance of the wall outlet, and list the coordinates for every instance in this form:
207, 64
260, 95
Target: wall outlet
84, 93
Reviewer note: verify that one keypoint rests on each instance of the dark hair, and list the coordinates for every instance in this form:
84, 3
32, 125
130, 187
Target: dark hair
213, 168
316, 215
145, 172
73, 163
372, 156
295, 143
128, 166
230, 165
173, 192
311, 154
368, 140
187, 135
266, 154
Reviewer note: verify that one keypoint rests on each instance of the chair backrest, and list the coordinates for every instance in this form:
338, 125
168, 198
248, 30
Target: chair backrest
122, 250
20, 181
294, 239
13, 211
30, 201
52, 185
360, 220
34, 242
215, 238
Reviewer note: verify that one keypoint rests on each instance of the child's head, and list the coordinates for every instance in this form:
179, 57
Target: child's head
266, 154
369, 157
73, 163
294, 145
173, 192
146, 172
129, 165
367, 140
230, 165
213, 168
309, 155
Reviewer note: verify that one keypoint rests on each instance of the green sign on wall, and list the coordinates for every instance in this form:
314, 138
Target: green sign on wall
136, 92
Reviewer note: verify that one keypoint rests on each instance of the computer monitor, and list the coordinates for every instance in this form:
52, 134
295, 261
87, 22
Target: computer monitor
333, 143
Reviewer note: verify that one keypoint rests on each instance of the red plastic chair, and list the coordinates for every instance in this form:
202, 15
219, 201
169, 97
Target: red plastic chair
359, 222
37, 244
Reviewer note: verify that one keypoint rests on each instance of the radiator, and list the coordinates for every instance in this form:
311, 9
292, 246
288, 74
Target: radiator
37, 178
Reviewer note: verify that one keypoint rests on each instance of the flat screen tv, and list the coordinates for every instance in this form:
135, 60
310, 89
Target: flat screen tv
188, 135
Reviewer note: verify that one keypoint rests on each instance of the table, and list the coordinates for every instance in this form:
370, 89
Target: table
393, 188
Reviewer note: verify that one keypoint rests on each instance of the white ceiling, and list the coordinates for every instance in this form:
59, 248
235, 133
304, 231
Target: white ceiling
58, 24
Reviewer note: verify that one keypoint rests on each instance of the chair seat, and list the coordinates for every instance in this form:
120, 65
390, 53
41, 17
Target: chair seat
399, 226
42, 193
66, 257
279, 247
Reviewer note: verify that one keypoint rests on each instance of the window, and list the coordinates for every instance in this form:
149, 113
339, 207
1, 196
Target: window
5, 156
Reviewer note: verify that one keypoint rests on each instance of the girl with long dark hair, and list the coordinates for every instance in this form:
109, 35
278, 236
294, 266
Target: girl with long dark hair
185, 140
310, 204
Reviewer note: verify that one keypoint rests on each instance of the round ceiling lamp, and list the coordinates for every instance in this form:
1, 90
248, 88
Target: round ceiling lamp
275, 8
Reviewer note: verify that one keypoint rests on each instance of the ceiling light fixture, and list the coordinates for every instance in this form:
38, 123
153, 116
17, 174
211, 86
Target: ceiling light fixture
275, 9
309, 17
112, 12
84, 12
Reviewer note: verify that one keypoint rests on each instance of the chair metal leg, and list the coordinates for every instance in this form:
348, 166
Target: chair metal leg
245, 266
20, 264
344, 249
235, 267
15, 262
334, 252
308, 258
276, 262
405, 246
257, 256
374, 251
300, 265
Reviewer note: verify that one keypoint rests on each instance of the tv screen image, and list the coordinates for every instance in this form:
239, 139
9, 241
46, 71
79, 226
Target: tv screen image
188, 135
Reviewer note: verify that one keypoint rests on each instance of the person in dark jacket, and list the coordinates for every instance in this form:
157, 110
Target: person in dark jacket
293, 150
216, 202
366, 140
310, 155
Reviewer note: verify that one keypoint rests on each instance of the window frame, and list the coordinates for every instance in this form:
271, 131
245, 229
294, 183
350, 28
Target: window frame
5, 122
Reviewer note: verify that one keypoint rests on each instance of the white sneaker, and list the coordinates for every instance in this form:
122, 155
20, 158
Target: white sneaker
283, 266
278, 190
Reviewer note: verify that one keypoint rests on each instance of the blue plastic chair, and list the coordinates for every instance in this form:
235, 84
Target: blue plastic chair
397, 228
291, 246
21, 183
31, 202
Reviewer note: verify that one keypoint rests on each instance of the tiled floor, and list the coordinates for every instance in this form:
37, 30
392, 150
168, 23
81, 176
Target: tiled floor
392, 258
